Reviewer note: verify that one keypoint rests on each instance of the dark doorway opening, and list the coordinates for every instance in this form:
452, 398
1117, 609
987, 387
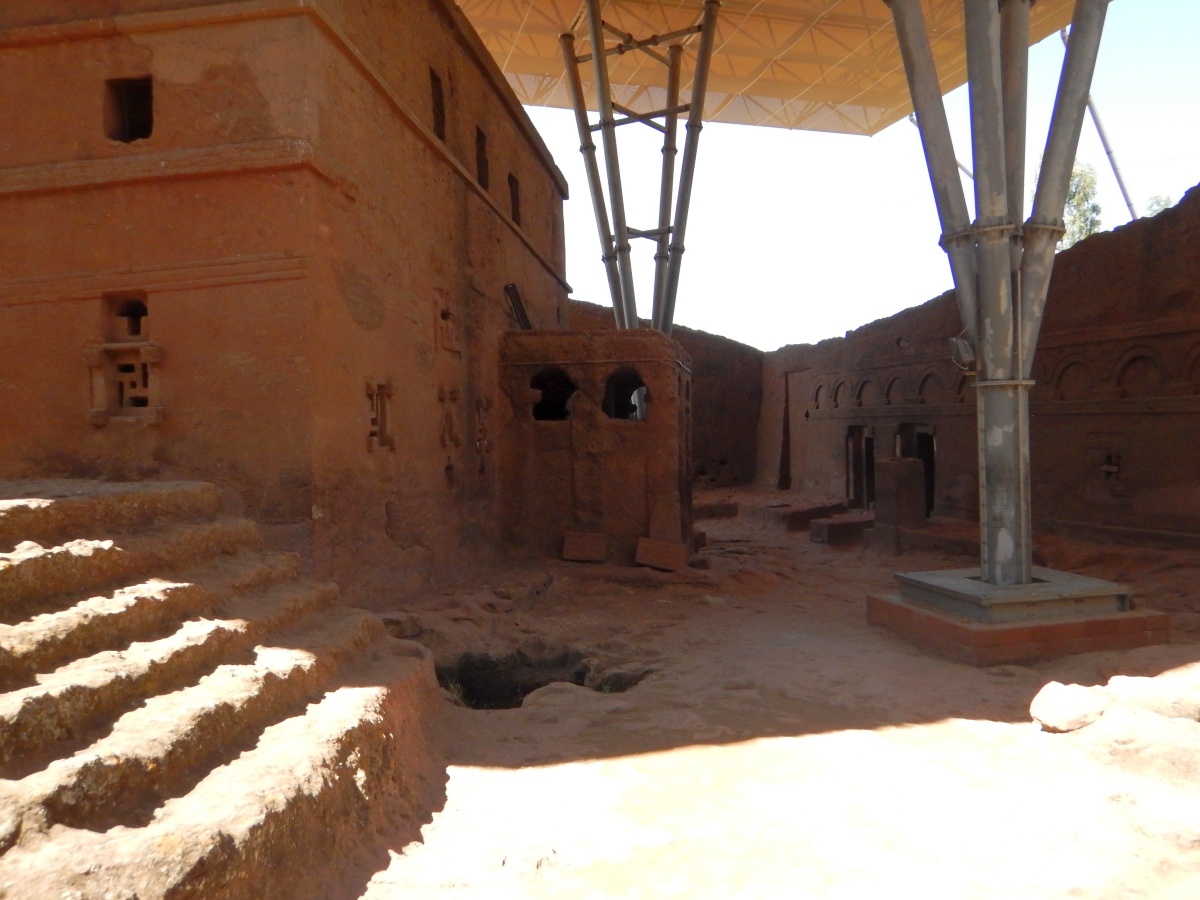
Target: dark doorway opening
919, 442
785, 449
860, 466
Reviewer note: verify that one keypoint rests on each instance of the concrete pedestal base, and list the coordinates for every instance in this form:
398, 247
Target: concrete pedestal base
955, 614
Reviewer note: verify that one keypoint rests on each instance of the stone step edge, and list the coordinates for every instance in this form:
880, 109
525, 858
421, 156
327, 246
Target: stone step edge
281, 819
59, 707
34, 577
152, 749
107, 507
106, 621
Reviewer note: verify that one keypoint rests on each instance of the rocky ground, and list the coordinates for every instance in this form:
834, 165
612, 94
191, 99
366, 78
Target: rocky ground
773, 744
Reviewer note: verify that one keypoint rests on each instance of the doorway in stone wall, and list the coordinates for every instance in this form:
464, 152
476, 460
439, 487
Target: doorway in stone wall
918, 441
860, 466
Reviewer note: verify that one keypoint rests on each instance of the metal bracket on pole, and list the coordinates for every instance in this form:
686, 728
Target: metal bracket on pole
668, 235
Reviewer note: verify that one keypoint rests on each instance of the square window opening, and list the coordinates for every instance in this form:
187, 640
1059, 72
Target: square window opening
128, 109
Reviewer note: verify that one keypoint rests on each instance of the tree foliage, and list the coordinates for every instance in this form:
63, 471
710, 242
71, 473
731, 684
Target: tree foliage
1158, 203
1082, 212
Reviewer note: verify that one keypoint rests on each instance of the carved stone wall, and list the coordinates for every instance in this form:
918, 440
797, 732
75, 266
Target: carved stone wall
1115, 414
318, 206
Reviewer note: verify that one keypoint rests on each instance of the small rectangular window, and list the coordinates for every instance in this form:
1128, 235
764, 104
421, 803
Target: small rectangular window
481, 160
514, 197
128, 109
439, 105
379, 434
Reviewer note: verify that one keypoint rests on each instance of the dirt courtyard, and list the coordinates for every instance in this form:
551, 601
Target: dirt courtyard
779, 746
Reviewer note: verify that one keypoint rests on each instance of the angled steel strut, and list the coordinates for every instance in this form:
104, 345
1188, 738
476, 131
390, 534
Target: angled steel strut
1001, 267
611, 225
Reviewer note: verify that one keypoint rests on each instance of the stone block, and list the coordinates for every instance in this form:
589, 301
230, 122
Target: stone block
837, 530
669, 556
900, 492
584, 546
801, 519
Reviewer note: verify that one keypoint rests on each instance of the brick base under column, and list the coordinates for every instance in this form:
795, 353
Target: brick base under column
985, 644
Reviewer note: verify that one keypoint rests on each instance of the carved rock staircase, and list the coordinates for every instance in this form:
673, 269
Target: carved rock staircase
182, 714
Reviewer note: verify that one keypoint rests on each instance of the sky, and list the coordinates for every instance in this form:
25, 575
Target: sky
798, 236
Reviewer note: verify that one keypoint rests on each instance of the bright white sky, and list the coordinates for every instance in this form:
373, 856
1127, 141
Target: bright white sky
798, 236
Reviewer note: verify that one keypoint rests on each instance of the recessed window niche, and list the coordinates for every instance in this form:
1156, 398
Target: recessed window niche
128, 109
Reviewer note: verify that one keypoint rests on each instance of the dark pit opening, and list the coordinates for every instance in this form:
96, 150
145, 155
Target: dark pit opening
481, 681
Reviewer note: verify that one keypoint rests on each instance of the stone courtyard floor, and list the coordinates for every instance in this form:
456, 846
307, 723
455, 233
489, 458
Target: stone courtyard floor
780, 746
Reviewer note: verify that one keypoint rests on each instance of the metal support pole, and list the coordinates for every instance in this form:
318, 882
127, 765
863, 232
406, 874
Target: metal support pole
939, 156
1014, 56
1005, 538
616, 194
1045, 225
588, 148
687, 170
666, 190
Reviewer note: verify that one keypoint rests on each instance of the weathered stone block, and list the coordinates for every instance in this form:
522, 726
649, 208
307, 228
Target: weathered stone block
584, 546
670, 556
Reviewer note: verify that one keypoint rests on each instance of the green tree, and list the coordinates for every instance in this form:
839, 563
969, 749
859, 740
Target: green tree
1158, 203
1082, 212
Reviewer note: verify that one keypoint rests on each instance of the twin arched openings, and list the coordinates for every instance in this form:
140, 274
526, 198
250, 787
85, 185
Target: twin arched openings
625, 395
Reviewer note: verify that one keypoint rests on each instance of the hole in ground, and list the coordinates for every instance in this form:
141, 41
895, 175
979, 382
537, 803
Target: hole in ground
481, 681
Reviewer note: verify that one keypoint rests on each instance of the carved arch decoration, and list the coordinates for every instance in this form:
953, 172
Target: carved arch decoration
931, 389
868, 394
1140, 372
1072, 378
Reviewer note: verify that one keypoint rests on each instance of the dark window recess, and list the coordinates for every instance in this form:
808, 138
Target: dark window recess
438, 96
557, 389
625, 395
132, 311
514, 197
128, 109
379, 397
481, 159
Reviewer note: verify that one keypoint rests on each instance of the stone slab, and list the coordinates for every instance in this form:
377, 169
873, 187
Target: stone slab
838, 530
1053, 594
669, 556
989, 644
585, 546
801, 519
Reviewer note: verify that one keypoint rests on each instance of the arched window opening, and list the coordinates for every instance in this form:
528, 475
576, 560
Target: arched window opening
557, 389
625, 395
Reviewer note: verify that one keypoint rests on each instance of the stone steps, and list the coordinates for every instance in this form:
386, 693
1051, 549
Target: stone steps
183, 715
137, 612
33, 578
323, 781
63, 707
47, 512
153, 751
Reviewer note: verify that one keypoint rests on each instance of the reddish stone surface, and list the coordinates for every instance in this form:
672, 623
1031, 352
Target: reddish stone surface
727, 379
583, 546
306, 248
670, 556
1115, 413
573, 454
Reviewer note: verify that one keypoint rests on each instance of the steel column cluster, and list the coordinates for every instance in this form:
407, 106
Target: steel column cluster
611, 225
1001, 268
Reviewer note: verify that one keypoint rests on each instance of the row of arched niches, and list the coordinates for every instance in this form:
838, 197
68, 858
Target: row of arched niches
625, 395
1069, 374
